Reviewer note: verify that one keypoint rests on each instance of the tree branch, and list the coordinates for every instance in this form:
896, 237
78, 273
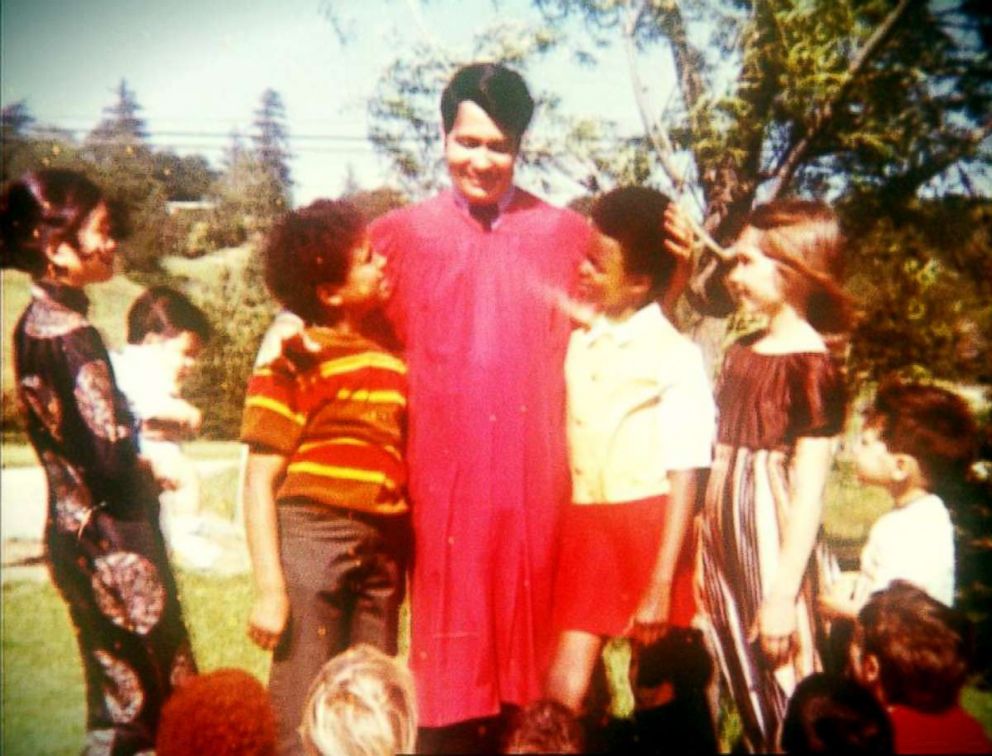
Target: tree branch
655, 130
822, 116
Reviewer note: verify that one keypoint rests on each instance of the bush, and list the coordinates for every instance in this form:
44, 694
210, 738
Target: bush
240, 311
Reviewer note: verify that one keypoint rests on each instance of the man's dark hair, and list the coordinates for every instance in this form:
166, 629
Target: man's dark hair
496, 89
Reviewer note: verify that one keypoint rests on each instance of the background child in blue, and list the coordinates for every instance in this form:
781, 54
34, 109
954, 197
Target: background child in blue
640, 427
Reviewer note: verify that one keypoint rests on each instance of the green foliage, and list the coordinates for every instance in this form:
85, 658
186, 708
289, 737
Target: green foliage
375, 202
248, 197
923, 276
185, 179
229, 286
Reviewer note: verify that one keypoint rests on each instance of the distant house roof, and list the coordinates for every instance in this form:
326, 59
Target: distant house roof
185, 207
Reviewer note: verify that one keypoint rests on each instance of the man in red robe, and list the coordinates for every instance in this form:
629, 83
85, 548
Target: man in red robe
476, 272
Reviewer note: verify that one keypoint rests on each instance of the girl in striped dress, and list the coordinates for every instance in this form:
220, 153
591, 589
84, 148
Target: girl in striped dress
781, 404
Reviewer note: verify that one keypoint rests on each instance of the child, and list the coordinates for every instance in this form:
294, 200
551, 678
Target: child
781, 405
914, 654
833, 714
916, 440
104, 548
640, 422
165, 333
223, 713
325, 507
362, 703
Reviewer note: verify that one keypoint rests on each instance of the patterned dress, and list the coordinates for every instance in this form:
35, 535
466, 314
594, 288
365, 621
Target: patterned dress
105, 549
766, 403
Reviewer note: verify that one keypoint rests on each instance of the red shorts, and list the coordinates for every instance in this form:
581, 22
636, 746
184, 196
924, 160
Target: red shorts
607, 554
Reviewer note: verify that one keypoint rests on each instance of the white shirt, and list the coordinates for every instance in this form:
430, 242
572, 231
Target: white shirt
914, 542
148, 376
639, 405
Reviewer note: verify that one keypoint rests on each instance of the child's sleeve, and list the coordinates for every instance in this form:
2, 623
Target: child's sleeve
819, 397
272, 418
687, 412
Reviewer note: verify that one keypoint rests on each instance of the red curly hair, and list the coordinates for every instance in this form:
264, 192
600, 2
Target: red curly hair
224, 713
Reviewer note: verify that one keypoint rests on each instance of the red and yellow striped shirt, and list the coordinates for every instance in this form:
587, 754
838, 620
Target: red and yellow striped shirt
335, 405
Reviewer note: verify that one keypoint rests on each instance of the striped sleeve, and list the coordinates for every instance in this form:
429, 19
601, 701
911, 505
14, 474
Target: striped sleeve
272, 417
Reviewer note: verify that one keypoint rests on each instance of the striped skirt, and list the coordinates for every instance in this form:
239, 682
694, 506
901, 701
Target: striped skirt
743, 522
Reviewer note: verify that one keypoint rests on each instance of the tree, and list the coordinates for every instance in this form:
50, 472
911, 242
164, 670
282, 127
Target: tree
120, 130
187, 178
768, 98
248, 197
271, 140
117, 146
15, 120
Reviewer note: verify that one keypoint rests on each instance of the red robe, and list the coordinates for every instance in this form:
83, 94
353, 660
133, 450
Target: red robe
488, 476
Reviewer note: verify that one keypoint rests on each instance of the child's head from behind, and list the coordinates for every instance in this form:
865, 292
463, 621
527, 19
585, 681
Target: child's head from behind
627, 263
791, 251
225, 712
318, 262
917, 430
834, 714
910, 649
545, 726
362, 703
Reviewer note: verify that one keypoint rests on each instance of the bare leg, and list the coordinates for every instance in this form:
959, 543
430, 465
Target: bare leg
575, 657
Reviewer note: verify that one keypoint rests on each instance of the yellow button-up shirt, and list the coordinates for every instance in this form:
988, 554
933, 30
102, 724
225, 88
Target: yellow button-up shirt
639, 405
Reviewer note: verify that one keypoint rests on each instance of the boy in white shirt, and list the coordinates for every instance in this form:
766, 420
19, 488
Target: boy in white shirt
916, 440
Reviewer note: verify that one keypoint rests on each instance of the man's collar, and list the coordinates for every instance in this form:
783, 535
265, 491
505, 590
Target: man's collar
501, 204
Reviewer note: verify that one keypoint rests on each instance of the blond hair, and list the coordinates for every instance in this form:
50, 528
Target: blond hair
361, 704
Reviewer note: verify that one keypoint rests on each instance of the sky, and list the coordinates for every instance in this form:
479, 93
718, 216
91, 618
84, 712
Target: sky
198, 69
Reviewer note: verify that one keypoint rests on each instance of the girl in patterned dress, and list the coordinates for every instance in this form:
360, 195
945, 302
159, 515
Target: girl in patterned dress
781, 403
105, 550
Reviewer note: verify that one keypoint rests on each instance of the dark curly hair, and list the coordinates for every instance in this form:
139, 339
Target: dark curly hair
929, 423
225, 713
499, 91
42, 210
635, 217
310, 247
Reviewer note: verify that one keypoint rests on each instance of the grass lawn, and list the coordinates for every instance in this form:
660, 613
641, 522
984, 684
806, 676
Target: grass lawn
42, 687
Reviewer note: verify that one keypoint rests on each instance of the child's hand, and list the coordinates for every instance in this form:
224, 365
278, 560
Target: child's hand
839, 602
650, 620
269, 615
678, 232
775, 629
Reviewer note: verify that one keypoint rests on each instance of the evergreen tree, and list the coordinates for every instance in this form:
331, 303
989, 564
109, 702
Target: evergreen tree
271, 141
120, 130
